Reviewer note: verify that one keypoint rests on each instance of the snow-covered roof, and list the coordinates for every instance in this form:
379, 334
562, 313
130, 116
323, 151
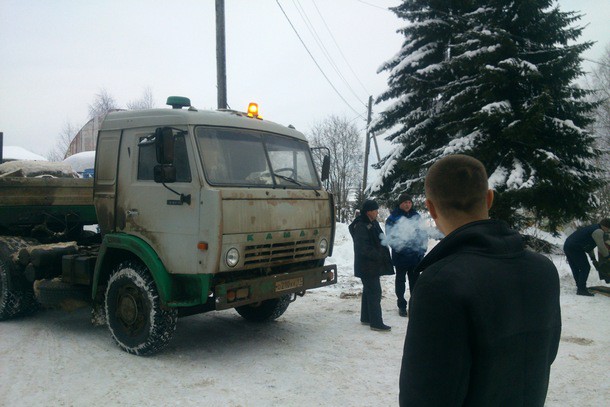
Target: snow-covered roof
81, 161
12, 153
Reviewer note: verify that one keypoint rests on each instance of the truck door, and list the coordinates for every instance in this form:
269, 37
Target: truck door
151, 211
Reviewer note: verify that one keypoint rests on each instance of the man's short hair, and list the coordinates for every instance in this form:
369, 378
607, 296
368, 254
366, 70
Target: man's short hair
457, 183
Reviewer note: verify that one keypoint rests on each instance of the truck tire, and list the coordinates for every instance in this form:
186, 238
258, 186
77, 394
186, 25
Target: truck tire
16, 297
267, 310
137, 320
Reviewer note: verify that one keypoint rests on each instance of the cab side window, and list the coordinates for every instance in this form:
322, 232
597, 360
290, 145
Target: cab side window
147, 160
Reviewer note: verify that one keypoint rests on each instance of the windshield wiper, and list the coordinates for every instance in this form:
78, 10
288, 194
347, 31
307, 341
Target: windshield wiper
294, 181
289, 179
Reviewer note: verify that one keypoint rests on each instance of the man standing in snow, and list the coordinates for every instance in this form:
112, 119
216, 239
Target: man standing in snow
485, 319
371, 261
581, 243
409, 243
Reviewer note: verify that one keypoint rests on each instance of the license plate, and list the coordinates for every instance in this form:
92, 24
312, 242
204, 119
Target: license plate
288, 284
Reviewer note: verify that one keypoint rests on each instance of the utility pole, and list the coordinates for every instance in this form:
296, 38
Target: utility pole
367, 146
1, 147
221, 66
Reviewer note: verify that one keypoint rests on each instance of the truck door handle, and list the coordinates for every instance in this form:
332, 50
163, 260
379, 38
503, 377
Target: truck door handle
132, 213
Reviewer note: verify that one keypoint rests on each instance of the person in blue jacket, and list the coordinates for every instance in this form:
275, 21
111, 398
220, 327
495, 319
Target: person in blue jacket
581, 243
409, 242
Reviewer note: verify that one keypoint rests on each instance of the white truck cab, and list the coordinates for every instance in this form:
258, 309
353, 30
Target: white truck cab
198, 211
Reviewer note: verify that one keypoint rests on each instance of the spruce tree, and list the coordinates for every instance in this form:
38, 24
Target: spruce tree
494, 80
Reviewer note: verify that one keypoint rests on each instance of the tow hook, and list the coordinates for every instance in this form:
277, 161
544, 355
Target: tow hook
294, 295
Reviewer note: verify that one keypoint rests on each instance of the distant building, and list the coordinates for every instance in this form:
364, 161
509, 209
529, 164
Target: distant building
86, 138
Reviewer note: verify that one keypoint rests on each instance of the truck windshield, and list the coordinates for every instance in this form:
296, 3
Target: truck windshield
252, 158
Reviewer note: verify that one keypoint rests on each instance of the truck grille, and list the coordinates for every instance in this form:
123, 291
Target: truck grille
277, 252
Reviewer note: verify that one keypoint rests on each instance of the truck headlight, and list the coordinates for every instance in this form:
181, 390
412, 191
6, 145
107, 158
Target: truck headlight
232, 257
323, 247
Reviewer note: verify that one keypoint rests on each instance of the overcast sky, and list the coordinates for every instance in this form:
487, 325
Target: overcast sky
55, 55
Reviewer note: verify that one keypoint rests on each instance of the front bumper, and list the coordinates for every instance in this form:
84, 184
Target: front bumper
245, 292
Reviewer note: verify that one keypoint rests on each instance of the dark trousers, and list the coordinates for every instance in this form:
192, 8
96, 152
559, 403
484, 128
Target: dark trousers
402, 274
579, 264
370, 309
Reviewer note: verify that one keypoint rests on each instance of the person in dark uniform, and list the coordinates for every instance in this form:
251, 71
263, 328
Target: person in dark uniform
583, 242
371, 261
408, 249
484, 317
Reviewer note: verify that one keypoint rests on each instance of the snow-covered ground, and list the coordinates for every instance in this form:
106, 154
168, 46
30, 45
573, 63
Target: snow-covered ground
316, 354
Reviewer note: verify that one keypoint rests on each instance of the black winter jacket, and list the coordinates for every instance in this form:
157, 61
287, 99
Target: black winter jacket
484, 322
370, 257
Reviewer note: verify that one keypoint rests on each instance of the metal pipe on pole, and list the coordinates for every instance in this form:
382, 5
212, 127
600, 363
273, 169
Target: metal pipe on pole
221, 66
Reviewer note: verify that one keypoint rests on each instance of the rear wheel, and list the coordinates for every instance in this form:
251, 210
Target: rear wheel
137, 320
267, 310
16, 294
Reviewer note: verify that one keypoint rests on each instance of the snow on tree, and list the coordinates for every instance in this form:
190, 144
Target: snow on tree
495, 80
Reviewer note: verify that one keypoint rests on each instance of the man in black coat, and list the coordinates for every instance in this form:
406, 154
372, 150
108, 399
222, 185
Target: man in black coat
484, 320
371, 260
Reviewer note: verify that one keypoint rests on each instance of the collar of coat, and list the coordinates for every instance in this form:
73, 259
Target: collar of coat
487, 237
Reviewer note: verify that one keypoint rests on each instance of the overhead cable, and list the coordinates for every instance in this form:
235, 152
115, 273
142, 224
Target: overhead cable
328, 56
316, 62
339, 48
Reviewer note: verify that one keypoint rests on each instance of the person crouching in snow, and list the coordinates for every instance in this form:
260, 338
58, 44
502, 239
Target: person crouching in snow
581, 243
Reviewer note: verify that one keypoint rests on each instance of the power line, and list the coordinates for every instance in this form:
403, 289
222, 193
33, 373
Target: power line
316, 62
373, 5
318, 39
339, 48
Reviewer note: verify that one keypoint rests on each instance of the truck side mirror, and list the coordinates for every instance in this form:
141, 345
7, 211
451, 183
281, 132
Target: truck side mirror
325, 167
164, 144
164, 173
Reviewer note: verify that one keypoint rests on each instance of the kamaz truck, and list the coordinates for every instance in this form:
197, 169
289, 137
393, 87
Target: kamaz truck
188, 211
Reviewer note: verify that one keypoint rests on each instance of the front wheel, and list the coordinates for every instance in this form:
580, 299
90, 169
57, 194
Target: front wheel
267, 310
137, 320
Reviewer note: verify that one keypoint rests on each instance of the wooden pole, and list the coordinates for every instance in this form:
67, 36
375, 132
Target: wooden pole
221, 66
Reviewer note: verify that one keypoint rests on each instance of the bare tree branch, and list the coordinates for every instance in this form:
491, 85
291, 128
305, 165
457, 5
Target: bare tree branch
146, 101
62, 144
342, 139
102, 104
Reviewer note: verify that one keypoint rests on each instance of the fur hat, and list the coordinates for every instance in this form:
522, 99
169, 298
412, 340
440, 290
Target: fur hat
404, 197
369, 205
